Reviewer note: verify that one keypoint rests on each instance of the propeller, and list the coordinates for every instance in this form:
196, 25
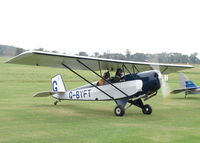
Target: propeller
165, 89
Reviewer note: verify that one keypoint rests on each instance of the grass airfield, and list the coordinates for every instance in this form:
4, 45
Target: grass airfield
26, 119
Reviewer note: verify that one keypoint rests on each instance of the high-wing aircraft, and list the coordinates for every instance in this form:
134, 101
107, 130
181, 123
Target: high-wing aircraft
141, 81
186, 86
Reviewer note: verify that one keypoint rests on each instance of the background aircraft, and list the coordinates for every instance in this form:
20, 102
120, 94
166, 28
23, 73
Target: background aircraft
186, 86
141, 80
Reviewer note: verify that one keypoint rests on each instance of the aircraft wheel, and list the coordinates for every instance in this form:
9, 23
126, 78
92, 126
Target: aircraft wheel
185, 94
55, 103
119, 110
147, 109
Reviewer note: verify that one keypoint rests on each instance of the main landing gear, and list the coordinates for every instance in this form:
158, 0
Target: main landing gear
120, 108
186, 93
56, 102
147, 109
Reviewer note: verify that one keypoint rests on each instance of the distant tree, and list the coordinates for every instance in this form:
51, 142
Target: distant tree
193, 58
54, 51
19, 51
184, 59
39, 49
113, 56
96, 54
6, 50
106, 55
139, 57
82, 54
153, 58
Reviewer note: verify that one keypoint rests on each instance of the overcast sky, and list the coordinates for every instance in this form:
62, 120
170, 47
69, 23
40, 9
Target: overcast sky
149, 26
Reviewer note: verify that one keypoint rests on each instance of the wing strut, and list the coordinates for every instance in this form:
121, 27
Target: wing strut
134, 67
100, 67
164, 70
88, 82
102, 77
127, 69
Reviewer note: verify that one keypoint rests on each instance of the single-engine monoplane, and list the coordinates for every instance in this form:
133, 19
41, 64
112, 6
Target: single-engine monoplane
187, 86
140, 82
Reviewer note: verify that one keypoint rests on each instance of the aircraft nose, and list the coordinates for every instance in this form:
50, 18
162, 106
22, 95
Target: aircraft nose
157, 80
158, 74
151, 81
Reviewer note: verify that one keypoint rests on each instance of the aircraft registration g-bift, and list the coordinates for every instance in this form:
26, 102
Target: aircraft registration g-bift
139, 82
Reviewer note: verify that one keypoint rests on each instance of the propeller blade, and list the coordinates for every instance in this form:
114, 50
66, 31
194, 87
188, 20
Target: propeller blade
165, 89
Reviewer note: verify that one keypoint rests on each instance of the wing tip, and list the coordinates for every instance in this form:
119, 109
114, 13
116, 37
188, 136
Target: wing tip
13, 59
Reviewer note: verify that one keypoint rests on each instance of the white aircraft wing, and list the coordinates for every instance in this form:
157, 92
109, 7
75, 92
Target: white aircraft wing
57, 60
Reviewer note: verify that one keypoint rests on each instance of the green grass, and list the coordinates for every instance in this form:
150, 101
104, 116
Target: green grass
26, 119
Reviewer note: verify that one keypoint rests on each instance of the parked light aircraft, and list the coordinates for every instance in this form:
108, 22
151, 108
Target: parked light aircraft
140, 83
186, 86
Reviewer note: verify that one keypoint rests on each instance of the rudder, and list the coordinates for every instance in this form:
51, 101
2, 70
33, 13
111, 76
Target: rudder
58, 84
189, 84
185, 82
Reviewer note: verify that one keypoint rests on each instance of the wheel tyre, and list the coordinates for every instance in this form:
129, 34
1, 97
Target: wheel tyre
119, 110
55, 103
147, 109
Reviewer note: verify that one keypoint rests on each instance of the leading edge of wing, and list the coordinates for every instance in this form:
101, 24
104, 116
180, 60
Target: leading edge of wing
47, 93
26, 57
178, 90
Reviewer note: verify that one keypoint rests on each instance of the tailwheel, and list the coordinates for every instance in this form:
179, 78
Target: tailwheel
146, 109
119, 110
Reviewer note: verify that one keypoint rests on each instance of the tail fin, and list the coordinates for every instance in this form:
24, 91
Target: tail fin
58, 84
189, 84
185, 82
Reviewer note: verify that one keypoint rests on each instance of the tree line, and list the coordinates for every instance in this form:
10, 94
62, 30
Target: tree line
6, 50
158, 58
164, 57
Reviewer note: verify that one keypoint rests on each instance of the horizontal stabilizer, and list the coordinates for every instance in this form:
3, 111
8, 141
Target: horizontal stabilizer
46, 94
181, 90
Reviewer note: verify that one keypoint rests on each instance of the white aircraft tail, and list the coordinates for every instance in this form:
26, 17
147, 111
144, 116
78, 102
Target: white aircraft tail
57, 87
58, 84
183, 79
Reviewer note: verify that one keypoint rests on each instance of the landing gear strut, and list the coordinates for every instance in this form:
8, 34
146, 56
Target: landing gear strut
186, 94
146, 109
56, 102
120, 108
